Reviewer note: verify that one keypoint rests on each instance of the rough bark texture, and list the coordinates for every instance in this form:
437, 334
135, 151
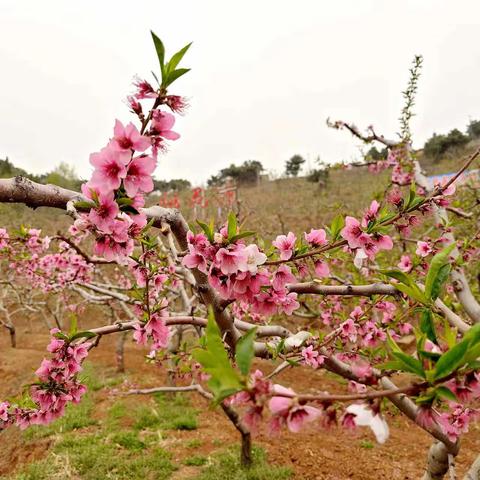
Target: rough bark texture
246, 450
437, 462
357, 290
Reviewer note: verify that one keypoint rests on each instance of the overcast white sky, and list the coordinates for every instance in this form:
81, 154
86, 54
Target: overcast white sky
265, 75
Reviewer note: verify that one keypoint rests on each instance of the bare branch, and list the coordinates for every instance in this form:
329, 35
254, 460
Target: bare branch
354, 290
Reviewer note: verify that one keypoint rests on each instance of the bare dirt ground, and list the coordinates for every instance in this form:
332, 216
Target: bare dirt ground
316, 453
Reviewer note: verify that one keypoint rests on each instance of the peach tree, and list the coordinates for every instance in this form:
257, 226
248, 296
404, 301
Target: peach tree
393, 314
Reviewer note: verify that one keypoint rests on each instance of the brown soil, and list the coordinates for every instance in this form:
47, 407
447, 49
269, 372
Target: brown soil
319, 454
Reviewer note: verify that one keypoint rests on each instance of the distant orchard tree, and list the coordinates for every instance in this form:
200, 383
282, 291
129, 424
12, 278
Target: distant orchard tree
247, 173
319, 175
8, 169
294, 165
177, 184
473, 129
376, 154
438, 145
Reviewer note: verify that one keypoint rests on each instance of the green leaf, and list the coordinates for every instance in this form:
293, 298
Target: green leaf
224, 380
427, 326
413, 292
427, 398
241, 235
124, 201
399, 275
435, 276
129, 209
160, 52
207, 230
474, 365
177, 57
410, 364
473, 337
61, 336
73, 325
83, 205
411, 195
337, 225
384, 217
473, 353
244, 351
172, 76
449, 334
451, 360
440, 280
446, 393
390, 365
406, 285
430, 355
86, 334
392, 344
231, 225
473, 334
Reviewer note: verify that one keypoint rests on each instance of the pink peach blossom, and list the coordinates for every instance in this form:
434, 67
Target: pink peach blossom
129, 138
286, 245
139, 175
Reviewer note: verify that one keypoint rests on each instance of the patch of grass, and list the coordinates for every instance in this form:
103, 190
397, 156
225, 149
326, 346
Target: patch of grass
146, 418
37, 471
196, 461
172, 412
96, 379
128, 440
93, 457
115, 413
366, 444
226, 466
195, 443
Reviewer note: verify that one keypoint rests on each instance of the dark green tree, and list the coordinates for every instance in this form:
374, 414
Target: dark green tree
177, 184
294, 165
473, 129
248, 173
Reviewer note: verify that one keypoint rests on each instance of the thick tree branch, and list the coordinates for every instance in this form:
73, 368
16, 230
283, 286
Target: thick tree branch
354, 290
22, 190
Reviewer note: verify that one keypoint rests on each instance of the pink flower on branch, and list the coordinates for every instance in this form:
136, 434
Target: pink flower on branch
231, 261
110, 169
316, 238
287, 412
371, 213
102, 216
352, 232
139, 175
162, 125
311, 357
423, 249
281, 277
176, 103
405, 264
129, 138
286, 245
144, 89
